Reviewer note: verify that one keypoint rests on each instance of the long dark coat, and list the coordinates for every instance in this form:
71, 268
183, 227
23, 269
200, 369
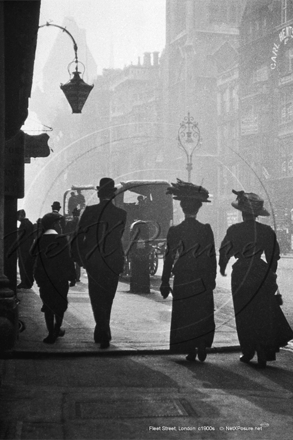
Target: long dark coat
53, 269
25, 237
191, 257
259, 319
99, 249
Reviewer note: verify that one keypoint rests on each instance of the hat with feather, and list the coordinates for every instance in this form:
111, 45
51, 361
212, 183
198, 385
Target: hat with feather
186, 190
250, 203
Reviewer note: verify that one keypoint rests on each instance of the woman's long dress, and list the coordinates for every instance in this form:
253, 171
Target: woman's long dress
53, 269
260, 322
191, 257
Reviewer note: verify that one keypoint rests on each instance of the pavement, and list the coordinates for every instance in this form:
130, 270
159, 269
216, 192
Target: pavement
136, 389
139, 322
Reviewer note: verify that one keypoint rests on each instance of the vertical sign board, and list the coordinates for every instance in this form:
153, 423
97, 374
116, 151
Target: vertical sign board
14, 166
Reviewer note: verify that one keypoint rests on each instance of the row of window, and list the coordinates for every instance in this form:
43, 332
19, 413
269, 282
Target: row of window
228, 100
257, 28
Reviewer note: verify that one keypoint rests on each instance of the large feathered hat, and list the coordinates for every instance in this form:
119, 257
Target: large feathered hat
250, 203
186, 190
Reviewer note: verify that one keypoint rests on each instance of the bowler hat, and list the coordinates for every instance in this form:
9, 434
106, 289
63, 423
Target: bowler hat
106, 187
56, 205
250, 203
49, 219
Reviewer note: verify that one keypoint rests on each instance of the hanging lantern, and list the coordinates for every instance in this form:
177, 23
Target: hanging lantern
76, 92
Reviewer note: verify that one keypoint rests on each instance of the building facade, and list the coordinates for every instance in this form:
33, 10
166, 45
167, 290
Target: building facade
266, 109
202, 39
134, 117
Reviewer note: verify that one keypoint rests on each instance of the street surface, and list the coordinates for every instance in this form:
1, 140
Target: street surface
136, 389
145, 397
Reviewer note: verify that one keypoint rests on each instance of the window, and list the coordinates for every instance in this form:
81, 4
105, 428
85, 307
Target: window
286, 62
180, 16
233, 16
226, 101
286, 107
284, 11
235, 98
260, 74
218, 11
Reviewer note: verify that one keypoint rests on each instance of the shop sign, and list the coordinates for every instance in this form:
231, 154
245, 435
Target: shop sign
14, 166
285, 35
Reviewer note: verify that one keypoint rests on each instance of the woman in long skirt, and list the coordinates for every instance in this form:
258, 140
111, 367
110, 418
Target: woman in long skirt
191, 258
261, 326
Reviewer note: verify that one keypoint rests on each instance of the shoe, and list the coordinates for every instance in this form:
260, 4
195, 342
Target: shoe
245, 359
61, 333
201, 352
191, 357
50, 339
104, 345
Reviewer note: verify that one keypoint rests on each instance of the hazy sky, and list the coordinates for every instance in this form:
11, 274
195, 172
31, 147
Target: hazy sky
124, 28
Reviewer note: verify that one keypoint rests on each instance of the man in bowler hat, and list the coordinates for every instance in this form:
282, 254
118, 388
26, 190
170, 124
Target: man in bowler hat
60, 227
100, 251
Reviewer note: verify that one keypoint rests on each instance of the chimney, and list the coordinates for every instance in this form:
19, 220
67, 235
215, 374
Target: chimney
155, 58
138, 61
147, 59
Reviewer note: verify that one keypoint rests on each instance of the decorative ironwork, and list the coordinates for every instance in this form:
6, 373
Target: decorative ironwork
189, 139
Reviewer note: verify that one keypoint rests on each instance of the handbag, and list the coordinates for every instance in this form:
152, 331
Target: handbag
279, 298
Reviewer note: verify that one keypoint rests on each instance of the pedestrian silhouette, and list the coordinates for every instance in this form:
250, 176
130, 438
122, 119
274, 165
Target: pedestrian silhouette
101, 253
190, 256
61, 225
53, 270
25, 238
72, 202
260, 323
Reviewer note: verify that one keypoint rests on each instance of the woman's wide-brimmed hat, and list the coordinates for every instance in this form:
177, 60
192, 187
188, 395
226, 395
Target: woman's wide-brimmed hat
186, 190
49, 219
250, 203
106, 187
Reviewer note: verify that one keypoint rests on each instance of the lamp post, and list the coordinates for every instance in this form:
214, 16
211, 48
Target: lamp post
189, 140
75, 90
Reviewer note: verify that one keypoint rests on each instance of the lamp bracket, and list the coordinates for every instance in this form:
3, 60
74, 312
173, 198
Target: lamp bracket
64, 30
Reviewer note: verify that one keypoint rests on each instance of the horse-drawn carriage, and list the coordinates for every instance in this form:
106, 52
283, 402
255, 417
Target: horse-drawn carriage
148, 207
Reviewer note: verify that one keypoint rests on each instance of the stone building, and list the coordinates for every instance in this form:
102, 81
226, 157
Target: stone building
200, 34
134, 131
266, 108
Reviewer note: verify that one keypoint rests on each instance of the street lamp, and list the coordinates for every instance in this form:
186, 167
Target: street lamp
75, 90
189, 139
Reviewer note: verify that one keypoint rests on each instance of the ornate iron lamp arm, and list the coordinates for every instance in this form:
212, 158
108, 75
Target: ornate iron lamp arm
64, 30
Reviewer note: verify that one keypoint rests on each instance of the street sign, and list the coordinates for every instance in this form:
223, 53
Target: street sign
36, 146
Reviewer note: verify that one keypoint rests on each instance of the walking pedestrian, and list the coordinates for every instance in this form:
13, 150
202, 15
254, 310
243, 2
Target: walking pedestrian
80, 199
260, 323
25, 238
53, 270
190, 256
72, 202
61, 226
100, 247
72, 233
